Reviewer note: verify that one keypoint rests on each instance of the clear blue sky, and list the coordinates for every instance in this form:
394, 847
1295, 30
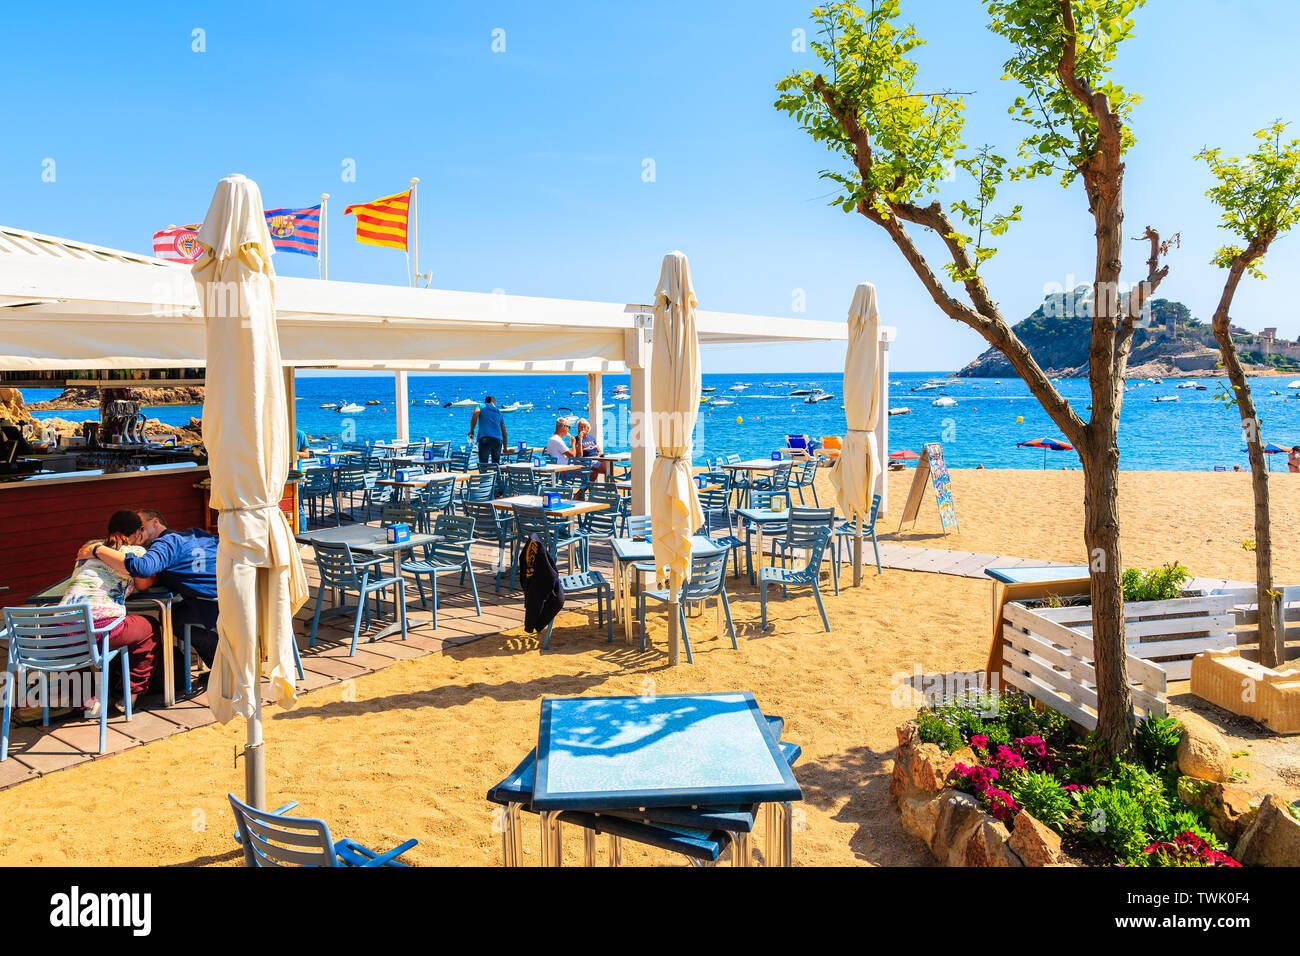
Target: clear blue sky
530, 160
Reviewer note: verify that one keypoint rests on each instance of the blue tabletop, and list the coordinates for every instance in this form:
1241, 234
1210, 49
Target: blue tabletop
604, 753
1038, 574
630, 549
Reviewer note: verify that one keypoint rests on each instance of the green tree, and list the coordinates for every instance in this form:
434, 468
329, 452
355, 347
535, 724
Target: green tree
1260, 200
901, 141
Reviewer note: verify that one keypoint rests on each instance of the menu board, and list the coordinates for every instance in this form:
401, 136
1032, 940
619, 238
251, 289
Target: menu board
932, 470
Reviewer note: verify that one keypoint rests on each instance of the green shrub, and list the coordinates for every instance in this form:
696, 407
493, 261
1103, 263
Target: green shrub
1041, 794
1114, 819
1158, 584
1157, 741
932, 728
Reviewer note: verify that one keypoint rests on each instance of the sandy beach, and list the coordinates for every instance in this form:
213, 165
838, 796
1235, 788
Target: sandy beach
411, 750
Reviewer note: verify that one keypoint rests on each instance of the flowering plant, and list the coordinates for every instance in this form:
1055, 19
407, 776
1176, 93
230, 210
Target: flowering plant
1187, 849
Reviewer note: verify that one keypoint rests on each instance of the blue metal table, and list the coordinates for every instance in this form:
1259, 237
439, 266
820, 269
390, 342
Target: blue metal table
630, 550
1038, 574
692, 750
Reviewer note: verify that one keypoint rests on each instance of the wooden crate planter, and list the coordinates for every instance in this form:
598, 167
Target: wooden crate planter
1246, 608
1047, 651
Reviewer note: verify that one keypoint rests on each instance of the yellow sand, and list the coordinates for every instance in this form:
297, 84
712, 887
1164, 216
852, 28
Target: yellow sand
410, 751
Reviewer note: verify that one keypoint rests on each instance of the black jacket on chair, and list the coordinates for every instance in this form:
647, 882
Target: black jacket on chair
543, 594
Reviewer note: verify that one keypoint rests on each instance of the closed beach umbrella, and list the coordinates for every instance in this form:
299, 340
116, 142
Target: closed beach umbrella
855, 472
1047, 444
260, 579
674, 401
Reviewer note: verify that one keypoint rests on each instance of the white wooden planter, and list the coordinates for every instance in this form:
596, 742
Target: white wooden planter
1047, 651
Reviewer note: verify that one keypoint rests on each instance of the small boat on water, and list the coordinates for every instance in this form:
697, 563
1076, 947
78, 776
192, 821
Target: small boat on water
818, 396
330, 405
721, 402
1295, 384
462, 403
517, 407
798, 392
1202, 388
1186, 384
738, 387
710, 388
418, 401
929, 386
373, 401
351, 408
944, 402
1165, 398
900, 411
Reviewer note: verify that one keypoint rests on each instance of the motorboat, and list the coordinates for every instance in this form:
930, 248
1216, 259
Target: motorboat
900, 411
462, 403
709, 388
800, 392
351, 408
373, 401
1295, 384
929, 386
330, 405
818, 396
1202, 388
945, 402
721, 402
1165, 398
1186, 384
420, 401
516, 407
738, 387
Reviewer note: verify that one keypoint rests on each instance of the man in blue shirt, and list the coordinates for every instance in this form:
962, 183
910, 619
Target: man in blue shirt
184, 562
303, 442
491, 432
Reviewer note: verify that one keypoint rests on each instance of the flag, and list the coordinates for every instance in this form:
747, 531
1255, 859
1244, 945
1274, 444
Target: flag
295, 230
178, 244
383, 222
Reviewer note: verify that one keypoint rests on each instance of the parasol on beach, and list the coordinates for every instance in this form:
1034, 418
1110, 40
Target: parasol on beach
1047, 444
904, 455
1271, 448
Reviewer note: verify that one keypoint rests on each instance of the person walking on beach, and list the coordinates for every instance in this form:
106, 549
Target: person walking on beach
1293, 460
491, 432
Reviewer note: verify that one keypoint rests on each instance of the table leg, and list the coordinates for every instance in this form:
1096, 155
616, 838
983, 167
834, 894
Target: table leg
588, 847
168, 652
770, 836
399, 598
615, 850
787, 834
740, 849
551, 847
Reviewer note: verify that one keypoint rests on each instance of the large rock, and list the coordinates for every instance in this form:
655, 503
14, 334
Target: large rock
1203, 753
920, 815
931, 766
1273, 839
987, 846
87, 396
959, 816
1034, 842
1231, 808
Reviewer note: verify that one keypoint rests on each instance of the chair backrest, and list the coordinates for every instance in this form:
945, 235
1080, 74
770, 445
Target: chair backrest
459, 460
456, 531
762, 498
270, 839
708, 574
605, 523
337, 567
486, 518
532, 520
809, 474
799, 442
817, 549
875, 510
57, 638
351, 477
781, 476
801, 528
400, 514
638, 526
438, 494
317, 481
832, 443
441, 449
481, 487
521, 481
732, 460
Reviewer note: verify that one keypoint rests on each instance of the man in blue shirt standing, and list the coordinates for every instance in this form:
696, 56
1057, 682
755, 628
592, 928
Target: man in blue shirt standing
184, 562
491, 432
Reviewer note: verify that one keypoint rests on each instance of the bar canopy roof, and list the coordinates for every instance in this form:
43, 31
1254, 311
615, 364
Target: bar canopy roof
67, 304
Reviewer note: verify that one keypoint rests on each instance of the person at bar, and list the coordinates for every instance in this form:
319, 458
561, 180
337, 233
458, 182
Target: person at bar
184, 562
491, 432
558, 446
304, 444
584, 446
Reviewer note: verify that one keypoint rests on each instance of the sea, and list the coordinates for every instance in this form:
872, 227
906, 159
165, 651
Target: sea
991, 416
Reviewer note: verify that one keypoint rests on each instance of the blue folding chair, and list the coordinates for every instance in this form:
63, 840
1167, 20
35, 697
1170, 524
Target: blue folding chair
808, 576
58, 639
589, 581
270, 838
341, 572
491, 524
844, 535
708, 580
449, 553
800, 532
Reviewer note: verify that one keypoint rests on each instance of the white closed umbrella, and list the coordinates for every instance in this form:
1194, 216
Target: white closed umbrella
260, 579
675, 513
855, 472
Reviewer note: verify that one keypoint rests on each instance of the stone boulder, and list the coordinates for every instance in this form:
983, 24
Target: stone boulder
1034, 842
1203, 753
1272, 839
959, 817
1231, 808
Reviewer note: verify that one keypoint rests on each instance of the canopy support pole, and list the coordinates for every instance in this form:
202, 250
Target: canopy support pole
641, 436
857, 551
595, 408
403, 407
674, 614
882, 421
255, 753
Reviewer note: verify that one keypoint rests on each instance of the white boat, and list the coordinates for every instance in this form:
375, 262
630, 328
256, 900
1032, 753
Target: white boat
928, 386
330, 405
738, 388
720, 402
465, 403
818, 396
1165, 398
1295, 384
623, 397
900, 411
577, 393
710, 388
423, 401
798, 392
516, 407
1186, 384
351, 408
944, 402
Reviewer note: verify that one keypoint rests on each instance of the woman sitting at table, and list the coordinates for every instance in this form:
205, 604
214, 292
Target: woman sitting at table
584, 446
95, 583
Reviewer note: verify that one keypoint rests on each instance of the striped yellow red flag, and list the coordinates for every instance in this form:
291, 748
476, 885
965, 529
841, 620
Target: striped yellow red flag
383, 222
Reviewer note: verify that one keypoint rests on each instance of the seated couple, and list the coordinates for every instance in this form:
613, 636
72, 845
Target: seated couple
140, 551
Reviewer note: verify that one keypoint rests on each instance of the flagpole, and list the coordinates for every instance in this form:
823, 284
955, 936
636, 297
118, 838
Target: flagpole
415, 236
324, 248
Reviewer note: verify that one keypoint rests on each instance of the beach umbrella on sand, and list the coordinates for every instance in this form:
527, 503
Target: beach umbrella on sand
855, 472
904, 455
1271, 448
674, 404
1046, 444
260, 579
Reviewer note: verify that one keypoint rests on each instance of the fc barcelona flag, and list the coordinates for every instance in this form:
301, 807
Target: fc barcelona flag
295, 230
383, 222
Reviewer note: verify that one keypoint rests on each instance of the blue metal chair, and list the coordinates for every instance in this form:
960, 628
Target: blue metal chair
440, 449
776, 483
59, 639
844, 535
606, 493
450, 553
551, 529
806, 478
521, 480
341, 572
350, 478
715, 502
771, 528
800, 531
491, 524
589, 581
708, 580
459, 460
435, 498
377, 495
809, 576
270, 838
318, 486
481, 487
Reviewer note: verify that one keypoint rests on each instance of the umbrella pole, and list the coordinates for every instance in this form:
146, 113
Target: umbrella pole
674, 610
255, 756
857, 551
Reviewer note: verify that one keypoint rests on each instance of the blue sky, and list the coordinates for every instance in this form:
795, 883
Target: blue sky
531, 160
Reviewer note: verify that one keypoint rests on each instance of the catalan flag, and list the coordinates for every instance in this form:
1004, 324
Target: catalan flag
295, 230
383, 222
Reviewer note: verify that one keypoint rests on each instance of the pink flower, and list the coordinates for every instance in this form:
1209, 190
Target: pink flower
980, 741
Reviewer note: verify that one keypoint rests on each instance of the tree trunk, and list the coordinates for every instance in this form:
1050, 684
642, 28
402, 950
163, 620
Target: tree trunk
1272, 634
1101, 533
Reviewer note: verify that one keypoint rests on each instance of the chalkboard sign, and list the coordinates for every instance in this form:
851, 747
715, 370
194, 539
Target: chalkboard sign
932, 470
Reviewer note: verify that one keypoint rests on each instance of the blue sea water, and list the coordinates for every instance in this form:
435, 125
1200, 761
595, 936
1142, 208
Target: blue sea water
1195, 433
